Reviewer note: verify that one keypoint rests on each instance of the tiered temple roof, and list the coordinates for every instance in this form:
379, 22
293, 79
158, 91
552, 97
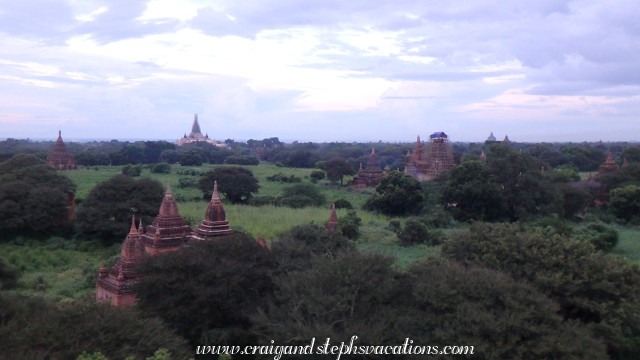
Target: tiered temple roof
196, 136
214, 223
59, 158
438, 158
369, 176
169, 230
116, 285
609, 166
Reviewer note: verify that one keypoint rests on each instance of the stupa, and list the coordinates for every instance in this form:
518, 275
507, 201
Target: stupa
438, 158
214, 223
168, 231
59, 158
116, 284
332, 224
371, 175
196, 136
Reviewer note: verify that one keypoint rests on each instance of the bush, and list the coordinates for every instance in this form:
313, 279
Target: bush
397, 194
416, 232
161, 168
349, 225
601, 236
342, 204
187, 182
317, 175
242, 160
132, 170
279, 164
280, 177
8, 276
237, 184
301, 195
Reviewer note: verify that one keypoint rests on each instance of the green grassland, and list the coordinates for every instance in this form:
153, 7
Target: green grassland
65, 269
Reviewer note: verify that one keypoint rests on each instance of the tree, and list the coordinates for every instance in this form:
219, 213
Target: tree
302, 195
190, 158
472, 192
590, 286
237, 184
335, 297
65, 331
396, 194
625, 201
34, 198
106, 212
336, 169
204, 291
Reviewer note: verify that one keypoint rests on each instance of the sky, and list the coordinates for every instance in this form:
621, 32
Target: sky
322, 71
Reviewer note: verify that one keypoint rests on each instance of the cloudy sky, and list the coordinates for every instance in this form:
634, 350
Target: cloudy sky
345, 70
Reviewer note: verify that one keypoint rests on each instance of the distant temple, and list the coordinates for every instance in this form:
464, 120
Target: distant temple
196, 136
437, 159
370, 176
168, 232
609, 167
59, 158
491, 139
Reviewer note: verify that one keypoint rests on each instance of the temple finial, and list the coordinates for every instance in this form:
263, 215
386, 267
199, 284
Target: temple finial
169, 189
215, 197
133, 229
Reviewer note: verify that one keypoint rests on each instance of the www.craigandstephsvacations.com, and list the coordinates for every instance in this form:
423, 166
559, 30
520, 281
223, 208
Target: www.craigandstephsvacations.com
326, 348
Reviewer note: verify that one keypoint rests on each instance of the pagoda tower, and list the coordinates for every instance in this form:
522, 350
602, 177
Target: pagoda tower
214, 223
116, 285
369, 176
59, 158
168, 231
332, 225
437, 159
413, 161
609, 167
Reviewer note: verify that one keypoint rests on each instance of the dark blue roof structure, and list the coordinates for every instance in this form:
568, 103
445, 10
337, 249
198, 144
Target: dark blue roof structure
439, 134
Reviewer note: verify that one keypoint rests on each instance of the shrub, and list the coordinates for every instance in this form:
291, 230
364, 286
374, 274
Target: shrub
397, 194
317, 175
263, 200
301, 195
242, 160
349, 225
416, 232
280, 177
601, 236
186, 182
161, 168
342, 204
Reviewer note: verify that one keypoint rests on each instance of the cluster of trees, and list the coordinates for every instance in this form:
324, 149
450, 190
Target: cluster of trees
314, 284
34, 198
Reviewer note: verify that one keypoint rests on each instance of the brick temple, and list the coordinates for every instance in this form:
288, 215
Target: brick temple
369, 176
116, 285
168, 232
59, 158
437, 159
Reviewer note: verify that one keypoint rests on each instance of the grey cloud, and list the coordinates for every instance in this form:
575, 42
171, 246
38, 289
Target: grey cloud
44, 20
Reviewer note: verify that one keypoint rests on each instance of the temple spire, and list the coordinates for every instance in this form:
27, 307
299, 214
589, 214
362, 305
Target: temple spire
168, 206
333, 219
133, 229
195, 129
215, 197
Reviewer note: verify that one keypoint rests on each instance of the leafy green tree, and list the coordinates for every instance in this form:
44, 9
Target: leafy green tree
204, 291
161, 168
302, 195
66, 331
34, 197
106, 212
349, 225
396, 194
132, 170
526, 191
335, 297
416, 232
472, 192
336, 169
237, 184
242, 160
590, 286
583, 157
631, 154
317, 175
625, 201
190, 158
601, 236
